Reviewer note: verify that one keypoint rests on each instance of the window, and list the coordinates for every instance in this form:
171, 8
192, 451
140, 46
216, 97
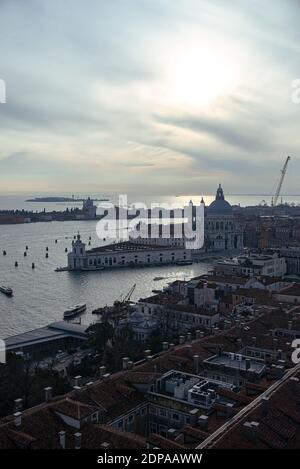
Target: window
153, 428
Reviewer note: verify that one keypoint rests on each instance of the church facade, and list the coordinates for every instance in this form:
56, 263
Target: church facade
222, 231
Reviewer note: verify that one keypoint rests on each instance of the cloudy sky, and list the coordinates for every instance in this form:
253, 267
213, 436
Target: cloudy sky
148, 96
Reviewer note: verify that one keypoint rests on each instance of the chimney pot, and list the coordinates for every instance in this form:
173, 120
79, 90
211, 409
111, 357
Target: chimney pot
77, 440
48, 393
125, 361
196, 363
77, 380
18, 405
62, 439
18, 419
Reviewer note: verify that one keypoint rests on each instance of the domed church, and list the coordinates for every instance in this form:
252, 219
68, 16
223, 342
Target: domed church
222, 231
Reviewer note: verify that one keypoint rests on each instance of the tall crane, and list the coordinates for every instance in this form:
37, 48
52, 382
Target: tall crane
282, 175
123, 301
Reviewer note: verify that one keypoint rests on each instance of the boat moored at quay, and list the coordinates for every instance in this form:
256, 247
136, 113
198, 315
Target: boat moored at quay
6, 290
74, 311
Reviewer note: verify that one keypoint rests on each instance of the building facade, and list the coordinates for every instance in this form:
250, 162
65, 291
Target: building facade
124, 254
222, 231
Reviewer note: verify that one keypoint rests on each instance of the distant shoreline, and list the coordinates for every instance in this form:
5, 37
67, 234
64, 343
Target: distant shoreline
61, 199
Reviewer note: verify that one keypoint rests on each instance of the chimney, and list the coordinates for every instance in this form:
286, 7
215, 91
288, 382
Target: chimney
106, 376
147, 353
125, 361
295, 383
265, 404
18, 419
130, 364
18, 405
196, 363
198, 334
189, 336
165, 346
77, 381
48, 394
171, 346
171, 434
102, 370
290, 323
193, 417
189, 350
203, 422
251, 430
77, 437
181, 339
104, 445
62, 439
275, 343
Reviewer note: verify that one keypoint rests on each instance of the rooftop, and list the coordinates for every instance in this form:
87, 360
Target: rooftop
54, 331
129, 246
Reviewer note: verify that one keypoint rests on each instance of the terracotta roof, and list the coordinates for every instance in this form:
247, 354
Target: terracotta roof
141, 377
279, 423
195, 433
293, 290
74, 409
164, 443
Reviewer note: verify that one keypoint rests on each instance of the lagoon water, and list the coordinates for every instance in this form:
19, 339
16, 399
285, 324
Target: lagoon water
41, 294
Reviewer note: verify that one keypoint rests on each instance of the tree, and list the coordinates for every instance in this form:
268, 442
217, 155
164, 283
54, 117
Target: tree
99, 334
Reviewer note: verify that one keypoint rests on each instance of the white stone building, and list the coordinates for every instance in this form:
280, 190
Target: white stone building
124, 254
253, 264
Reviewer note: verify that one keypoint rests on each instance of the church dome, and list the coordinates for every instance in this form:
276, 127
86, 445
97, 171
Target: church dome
220, 206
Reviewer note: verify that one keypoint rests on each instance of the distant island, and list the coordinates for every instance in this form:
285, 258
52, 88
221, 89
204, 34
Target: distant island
61, 199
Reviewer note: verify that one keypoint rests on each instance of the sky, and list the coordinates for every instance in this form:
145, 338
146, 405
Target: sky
148, 96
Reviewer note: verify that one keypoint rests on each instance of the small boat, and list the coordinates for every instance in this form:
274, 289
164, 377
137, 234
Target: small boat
184, 263
6, 290
156, 291
92, 268
158, 278
74, 311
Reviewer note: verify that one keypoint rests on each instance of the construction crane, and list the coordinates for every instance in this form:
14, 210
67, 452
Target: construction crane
282, 175
126, 300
